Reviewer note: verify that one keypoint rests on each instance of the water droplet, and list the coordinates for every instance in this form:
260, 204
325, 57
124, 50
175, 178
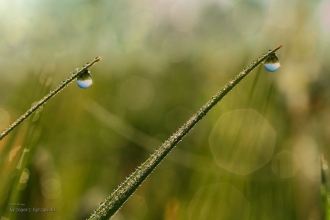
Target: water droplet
84, 80
272, 63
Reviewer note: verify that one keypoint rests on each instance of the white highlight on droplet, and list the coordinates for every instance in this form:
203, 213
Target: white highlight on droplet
272, 67
85, 83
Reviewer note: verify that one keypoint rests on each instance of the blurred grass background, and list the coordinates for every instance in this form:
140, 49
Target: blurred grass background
255, 156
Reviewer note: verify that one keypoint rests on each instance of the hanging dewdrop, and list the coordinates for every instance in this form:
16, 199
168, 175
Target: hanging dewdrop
84, 80
272, 63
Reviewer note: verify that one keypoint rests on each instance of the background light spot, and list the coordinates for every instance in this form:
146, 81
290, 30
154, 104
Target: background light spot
176, 47
17, 31
285, 164
136, 93
184, 15
217, 202
83, 17
242, 141
247, 18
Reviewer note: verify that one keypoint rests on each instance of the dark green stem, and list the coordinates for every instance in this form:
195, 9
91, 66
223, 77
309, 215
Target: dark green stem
128, 187
47, 97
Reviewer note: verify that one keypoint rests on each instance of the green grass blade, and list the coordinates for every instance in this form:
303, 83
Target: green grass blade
131, 184
51, 94
325, 188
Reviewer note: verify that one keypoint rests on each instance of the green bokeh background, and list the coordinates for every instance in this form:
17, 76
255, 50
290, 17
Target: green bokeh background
254, 156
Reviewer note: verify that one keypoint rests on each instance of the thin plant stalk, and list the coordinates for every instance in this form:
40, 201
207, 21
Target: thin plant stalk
50, 95
325, 187
113, 203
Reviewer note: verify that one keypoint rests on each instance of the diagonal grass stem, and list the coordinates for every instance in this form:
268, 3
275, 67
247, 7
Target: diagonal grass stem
131, 184
51, 94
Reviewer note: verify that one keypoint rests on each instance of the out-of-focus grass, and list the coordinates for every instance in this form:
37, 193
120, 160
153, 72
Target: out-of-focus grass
162, 60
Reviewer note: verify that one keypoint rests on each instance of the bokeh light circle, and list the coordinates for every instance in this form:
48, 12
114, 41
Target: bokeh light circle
242, 141
218, 201
184, 15
285, 164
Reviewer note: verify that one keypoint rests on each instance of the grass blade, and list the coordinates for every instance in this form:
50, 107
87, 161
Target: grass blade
325, 187
47, 97
130, 185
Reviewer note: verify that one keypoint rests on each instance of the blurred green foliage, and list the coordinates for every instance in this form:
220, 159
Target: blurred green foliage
162, 61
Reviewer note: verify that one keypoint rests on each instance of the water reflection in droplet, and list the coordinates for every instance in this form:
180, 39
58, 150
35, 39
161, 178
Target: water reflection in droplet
84, 80
272, 63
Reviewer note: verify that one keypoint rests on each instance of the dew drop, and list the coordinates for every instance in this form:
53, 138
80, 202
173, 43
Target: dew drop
84, 80
272, 63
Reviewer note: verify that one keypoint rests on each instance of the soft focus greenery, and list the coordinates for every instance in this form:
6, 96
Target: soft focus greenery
256, 155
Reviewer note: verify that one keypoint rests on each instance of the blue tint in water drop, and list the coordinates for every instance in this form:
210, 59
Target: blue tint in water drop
84, 80
272, 63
